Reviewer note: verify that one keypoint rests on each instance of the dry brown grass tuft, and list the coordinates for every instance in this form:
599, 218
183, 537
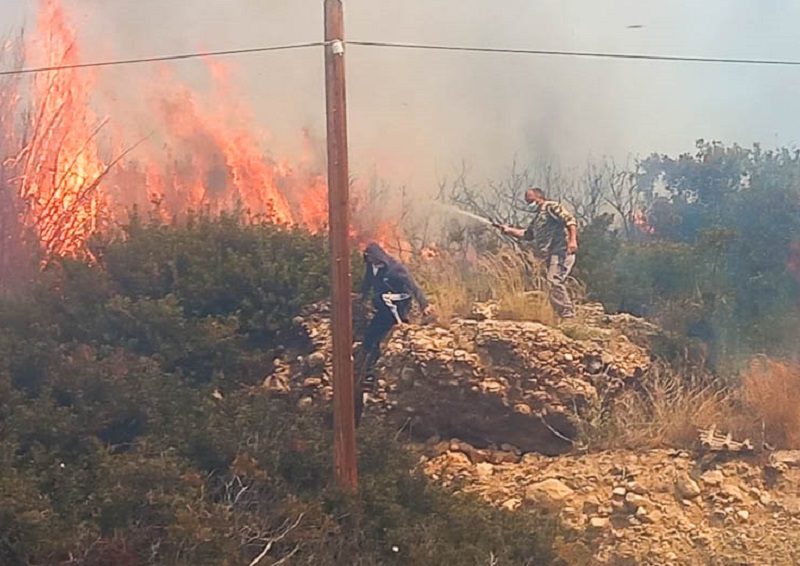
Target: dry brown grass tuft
445, 280
666, 411
514, 279
517, 283
771, 391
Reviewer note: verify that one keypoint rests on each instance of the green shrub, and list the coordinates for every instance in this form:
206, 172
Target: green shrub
130, 433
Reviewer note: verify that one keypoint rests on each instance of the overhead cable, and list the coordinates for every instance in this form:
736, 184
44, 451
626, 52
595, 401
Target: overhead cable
592, 54
157, 59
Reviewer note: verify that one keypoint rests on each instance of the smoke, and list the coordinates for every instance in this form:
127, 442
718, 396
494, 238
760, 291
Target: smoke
416, 115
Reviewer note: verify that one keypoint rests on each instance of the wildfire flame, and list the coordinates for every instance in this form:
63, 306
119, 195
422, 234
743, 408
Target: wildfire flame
59, 167
640, 221
209, 157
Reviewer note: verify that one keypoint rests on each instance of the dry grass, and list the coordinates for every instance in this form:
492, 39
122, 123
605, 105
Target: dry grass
666, 411
514, 279
771, 391
444, 282
669, 408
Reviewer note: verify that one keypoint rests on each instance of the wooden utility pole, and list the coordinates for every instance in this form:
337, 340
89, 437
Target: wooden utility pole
345, 460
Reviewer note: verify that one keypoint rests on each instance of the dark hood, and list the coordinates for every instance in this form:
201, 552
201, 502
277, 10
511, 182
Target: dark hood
373, 253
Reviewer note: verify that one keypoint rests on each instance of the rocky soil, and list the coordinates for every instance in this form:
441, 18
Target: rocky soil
657, 507
488, 382
495, 406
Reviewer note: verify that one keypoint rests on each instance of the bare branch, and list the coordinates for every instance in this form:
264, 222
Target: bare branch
277, 538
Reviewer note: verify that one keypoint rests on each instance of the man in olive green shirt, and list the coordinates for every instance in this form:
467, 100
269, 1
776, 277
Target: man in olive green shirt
553, 233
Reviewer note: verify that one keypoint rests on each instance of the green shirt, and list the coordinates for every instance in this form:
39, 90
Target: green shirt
548, 229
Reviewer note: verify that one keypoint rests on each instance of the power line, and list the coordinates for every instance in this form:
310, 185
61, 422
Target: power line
416, 46
156, 59
592, 54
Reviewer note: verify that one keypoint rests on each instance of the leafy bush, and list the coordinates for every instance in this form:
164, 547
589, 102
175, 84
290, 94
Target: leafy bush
209, 299
129, 434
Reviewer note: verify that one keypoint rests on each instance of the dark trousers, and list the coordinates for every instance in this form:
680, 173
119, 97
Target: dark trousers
378, 328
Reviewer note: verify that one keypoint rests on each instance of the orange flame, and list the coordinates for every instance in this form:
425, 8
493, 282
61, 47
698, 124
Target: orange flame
640, 221
210, 158
60, 168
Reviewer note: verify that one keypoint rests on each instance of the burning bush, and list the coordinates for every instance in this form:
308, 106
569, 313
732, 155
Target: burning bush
66, 179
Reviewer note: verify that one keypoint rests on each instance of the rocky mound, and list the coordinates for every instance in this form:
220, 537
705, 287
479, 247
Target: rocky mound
495, 400
657, 507
492, 383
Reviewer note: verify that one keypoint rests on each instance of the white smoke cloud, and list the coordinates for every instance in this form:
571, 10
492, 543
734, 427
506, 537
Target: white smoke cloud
417, 114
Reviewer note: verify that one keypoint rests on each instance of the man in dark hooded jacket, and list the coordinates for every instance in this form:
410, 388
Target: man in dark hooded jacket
392, 288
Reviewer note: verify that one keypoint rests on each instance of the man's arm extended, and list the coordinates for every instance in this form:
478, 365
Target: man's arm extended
513, 231
412, 287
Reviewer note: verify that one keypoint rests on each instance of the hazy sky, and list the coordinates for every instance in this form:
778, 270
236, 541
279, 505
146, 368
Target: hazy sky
416, 115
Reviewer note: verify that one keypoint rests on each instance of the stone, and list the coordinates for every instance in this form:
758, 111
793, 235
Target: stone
457, 460
276, 384
549, 494
618, 492
484, 470
316, 360
591, 506
618, 506
305, 403
511, 504
599, 523
791, 506
498, 457
522, 409
733, 492
634, 501
312, 382
545, 355
712, 478
654, 515
743, 515
686, 487
505, 447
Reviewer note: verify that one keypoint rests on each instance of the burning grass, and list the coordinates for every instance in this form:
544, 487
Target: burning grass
66, 183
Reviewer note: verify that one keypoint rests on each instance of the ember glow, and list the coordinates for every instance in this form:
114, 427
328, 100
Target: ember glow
203, 155
640, 221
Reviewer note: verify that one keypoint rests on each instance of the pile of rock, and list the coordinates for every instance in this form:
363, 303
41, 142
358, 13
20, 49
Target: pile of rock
489, 382
656, 507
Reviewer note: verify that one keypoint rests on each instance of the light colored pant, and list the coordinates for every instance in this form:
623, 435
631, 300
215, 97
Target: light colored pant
558, 270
